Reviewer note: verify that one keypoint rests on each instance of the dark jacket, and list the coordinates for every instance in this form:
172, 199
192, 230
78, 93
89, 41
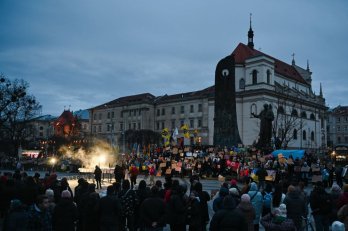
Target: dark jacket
175, 209
320, 202
110, 212
152, 210
11, 220
272, 223
295, 206
64, 215
248, 210
229, 218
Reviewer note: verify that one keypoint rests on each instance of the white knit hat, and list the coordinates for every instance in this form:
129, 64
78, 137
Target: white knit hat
337, 226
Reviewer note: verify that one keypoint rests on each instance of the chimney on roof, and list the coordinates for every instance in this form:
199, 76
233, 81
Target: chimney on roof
250, 36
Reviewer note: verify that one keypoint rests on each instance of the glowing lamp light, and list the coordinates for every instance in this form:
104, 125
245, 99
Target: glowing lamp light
101, 159
53, 161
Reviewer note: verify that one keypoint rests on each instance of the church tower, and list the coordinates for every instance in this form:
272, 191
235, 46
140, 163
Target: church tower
250, 36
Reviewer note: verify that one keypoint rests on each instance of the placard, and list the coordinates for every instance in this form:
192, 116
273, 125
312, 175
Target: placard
186, 149
175, 151
174, 165
178, 169
262, 159
316, 178
163, 165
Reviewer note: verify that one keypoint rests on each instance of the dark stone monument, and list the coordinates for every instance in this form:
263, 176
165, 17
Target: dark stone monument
225, 119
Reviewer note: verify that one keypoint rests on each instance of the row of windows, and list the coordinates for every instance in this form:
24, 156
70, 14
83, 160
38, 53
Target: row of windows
304, 135
254, 79
111, 115
295, 113
182, 110
161, 124
344, 119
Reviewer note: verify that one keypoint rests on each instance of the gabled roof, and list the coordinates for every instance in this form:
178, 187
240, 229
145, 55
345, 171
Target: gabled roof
66, 117
127, 100
243, 52
209, 91
82, 114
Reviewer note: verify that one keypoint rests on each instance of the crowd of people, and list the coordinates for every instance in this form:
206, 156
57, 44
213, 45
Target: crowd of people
46, 203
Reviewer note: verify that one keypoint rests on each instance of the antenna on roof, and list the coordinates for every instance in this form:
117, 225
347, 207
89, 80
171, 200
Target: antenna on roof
64, 107
308, 65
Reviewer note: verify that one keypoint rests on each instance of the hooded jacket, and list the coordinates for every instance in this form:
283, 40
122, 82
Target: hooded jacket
256, 200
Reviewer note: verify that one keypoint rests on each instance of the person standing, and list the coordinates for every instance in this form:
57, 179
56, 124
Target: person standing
256, 200
133, 173
228, 218
39, 216
65, 213
295, 205
119, 173
248, 210
110, 211
97, 176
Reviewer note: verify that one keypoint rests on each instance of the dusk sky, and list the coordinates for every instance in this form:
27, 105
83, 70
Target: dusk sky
84, 53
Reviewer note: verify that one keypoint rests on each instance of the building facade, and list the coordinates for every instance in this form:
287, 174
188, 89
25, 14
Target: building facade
299, 114
337, 126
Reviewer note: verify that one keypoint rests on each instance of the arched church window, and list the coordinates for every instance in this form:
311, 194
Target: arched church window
253, 109
242, 84
295, 134
254, 76
312, 116
294, 112
304, 115
304, 135
281, 110
268, 76
312, 136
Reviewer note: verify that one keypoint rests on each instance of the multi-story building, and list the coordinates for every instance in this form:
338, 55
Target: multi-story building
337, 126
258, 79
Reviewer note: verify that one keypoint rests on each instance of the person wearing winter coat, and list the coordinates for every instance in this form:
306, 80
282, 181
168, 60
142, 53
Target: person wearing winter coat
64, 213
97, 176
152, 211
217, 203
321, 205
176, 208
16, 213
248, 210
278, 221
295, 205
229, 218
110, 211
40, 218
256, 200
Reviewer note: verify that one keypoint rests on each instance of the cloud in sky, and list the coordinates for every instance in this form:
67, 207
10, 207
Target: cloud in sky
85, 53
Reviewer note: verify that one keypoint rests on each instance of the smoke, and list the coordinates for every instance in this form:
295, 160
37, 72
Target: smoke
100, 153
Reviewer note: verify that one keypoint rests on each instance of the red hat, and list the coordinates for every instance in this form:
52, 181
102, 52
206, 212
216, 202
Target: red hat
233, 182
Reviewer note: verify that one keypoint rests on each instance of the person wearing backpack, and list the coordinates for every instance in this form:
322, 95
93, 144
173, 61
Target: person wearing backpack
267, 199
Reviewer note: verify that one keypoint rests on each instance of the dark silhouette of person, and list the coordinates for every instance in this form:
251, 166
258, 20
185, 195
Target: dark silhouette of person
97, 176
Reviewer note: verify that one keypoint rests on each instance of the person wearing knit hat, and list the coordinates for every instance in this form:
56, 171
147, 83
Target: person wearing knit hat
66, 194
247, 210
245, 198
278, 221
337, 226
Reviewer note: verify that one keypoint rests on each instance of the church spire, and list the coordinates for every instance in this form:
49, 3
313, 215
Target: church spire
308, 65
293, 59
321, 91
250, 36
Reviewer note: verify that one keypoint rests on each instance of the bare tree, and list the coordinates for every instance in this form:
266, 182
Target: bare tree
285, 128
17, 109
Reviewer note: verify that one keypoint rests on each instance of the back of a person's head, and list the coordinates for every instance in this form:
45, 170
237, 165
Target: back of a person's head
110, 190
337, 226
154, 190
66, 194
158, 183
125, 184
142, 185
49, 193
229, 202
291, 189
91, 187
198, 187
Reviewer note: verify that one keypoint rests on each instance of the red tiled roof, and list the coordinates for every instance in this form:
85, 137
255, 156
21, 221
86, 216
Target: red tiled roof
243, 52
